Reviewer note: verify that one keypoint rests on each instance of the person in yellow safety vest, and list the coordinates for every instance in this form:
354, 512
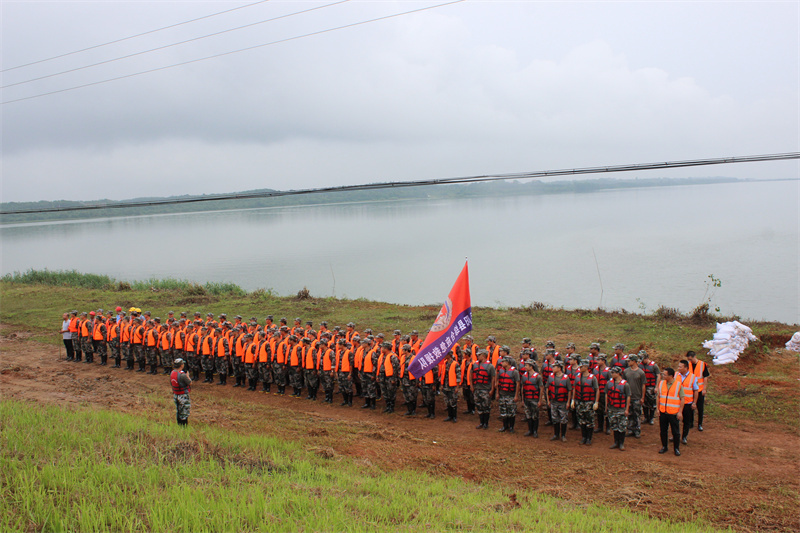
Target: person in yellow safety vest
700, 370
669, 404
690, 391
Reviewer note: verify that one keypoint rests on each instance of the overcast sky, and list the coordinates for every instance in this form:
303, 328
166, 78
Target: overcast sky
465, 89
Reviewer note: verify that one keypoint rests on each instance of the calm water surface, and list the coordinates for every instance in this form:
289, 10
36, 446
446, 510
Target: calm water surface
653, 246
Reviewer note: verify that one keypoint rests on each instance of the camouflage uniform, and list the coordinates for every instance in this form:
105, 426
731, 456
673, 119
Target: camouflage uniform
369, 383
389, 384
87, 347
585, 413
451, 393
558, 412
99, 347
617, 420
346, 378
76, 343
507, 405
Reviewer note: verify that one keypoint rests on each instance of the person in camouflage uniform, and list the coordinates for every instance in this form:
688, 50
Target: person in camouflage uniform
389, 379
221, 354
251, 367
265, 366
99, 345
483, 379
327, 370
559, 392
181, 385
114, 345
369, 386
409, 382
603, 374
293, 365
283, 350
151, 347
207, 357
428, 388
344, 371
451, 380
618, 401
311, 370
507, 383
165, 348
76, 336
237, 356
637, 380
585, 395
653, 373
529, 392
86, 339
137, 343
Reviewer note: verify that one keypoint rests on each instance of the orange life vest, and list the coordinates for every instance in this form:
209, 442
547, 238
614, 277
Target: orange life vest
698, 373
688, 393
668, 400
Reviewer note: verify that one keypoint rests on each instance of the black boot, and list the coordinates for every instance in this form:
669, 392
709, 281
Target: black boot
511, 423
372, 402
616, 441
536, 428
455, 414
449, 414
622, 441
563, 433
505, 426
238, 382
413, 408
589, 432
530, 427
366, 404
583, 434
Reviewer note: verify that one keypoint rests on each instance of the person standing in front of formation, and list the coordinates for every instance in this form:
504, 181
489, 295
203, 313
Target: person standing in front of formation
66, 336
637, 380
181, 385
483, 374
690, 391
700, 370
559, 391
530, 393
585, 395
618, 403
670, 408
652, 372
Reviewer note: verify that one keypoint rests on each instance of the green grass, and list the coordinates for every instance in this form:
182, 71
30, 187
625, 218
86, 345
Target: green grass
94, 470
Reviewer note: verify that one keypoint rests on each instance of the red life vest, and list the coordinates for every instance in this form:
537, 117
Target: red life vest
616, 394
650, 374
603, 376
480, 374
504, 381
557, 388
176, 388
583, 388
530, 389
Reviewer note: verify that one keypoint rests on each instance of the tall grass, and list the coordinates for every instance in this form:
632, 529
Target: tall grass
63, 278
90, 470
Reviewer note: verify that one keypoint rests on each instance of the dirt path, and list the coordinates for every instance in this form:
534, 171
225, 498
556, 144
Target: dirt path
743, 475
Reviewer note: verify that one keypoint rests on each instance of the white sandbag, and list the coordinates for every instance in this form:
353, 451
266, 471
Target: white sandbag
794, 343
729, 341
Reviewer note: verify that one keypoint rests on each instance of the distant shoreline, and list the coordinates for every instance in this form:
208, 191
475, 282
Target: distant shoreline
495, 189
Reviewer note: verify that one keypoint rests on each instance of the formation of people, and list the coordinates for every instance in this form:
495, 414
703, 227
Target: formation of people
595, 393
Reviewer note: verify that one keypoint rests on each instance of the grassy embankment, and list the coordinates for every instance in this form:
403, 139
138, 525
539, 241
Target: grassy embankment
89, 470
35, 300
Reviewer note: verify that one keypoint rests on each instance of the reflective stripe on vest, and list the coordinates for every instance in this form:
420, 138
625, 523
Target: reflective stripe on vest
698, 373
688, 392
669, 401
557, 388
616, 394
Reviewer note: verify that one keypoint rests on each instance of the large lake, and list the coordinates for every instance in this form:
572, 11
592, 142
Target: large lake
651, 246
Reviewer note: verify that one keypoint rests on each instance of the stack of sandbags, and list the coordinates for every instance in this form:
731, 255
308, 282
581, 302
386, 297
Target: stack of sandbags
794, 343
729, 342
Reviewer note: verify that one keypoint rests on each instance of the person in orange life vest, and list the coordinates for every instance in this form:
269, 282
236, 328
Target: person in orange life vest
507, 383
344, 370
151, 344
700, 370
350, 331
264, 360
559, 392
250, 361
311, 366
409, 382
137, 342
87, 321
74, 329
327, 367
165, 344
389, 375
369, 375
397, 341
470, 356
482, 376
669, 404
690, 391
99, 334
415, 341
281, 359
618, 403
296, 364
527, 344
221, 353
585, 395
494, 351
529, 392
603, 374
652, 374
113, 330
451, 379
237, 342
181, 385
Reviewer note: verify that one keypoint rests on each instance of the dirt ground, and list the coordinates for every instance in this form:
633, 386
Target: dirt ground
737, 473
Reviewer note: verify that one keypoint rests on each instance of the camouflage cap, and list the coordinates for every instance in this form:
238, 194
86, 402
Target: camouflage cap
351, 324
505, 348
468, 337
550, 344
530, 363
414, 332
550, 351
558, 363
633, 358
526, 340
643, 354
342, 341
594, 346
491, 338
571, 345
616, 370
324, 323
397, 332
406, 348
619, 346
387, 345
270, 317
602, 356
585, 362
177, 362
